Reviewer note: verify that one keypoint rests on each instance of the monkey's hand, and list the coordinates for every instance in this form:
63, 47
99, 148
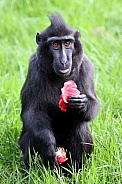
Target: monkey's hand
78, 102
49, 157
47, 148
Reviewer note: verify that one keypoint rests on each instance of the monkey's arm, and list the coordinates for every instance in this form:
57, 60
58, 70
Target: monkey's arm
36, 120
85, 104
38, 125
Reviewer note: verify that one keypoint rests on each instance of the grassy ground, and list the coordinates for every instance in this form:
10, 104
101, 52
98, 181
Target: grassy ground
100, 23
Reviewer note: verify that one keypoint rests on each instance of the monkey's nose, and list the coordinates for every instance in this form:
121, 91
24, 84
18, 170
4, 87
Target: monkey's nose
63, 62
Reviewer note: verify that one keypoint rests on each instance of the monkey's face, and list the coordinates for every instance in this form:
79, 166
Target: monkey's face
61, 51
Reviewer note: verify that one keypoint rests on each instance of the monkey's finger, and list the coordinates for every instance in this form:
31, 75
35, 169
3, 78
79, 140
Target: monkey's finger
75, 101
78, 97
76, 106
72, 100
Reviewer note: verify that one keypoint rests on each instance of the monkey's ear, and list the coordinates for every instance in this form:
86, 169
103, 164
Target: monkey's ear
77, 35
38, 38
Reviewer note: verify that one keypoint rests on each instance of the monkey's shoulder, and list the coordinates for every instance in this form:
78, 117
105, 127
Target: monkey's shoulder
33, 60
87, 66
86, 62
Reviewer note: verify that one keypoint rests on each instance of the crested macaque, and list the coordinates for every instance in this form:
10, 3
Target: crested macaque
59, 58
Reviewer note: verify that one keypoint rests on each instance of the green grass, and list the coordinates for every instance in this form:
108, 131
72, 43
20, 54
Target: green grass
100, 24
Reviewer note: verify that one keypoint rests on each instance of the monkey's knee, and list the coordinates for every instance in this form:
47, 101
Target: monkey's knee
88, 145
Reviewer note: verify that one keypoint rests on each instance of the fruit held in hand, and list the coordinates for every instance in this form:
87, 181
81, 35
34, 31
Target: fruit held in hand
69, 89
61, 155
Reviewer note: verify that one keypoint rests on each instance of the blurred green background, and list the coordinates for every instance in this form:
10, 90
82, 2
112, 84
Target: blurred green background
100, 24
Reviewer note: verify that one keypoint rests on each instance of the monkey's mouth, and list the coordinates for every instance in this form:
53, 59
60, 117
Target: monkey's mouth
64, 71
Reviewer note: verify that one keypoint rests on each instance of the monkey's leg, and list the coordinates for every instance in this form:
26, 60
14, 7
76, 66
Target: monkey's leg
80, 144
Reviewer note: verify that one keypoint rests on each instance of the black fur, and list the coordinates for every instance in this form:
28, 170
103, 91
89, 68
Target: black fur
45, 126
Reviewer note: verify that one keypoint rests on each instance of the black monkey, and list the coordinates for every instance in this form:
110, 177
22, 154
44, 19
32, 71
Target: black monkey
59, 58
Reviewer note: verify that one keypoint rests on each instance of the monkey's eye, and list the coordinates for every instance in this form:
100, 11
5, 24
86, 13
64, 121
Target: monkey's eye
67, 44
56, 45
